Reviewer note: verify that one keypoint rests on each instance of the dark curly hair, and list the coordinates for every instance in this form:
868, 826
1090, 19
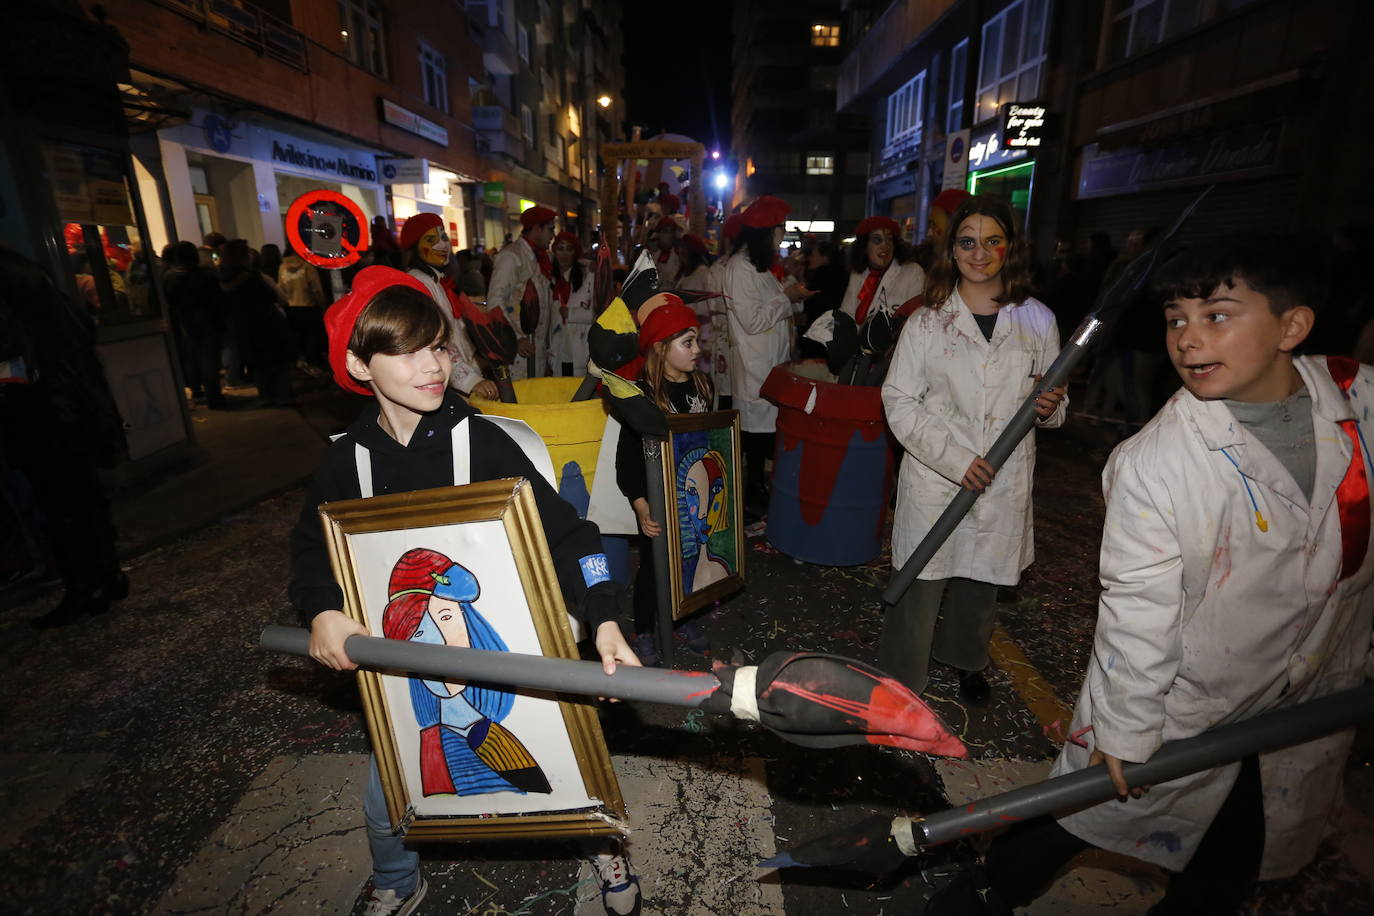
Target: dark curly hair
1016, 277
858, 253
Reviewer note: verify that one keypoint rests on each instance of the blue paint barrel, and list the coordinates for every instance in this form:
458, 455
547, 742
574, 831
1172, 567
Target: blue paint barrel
832, 469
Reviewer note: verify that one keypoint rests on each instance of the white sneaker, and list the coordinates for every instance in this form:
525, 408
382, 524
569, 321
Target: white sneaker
619, 885
373, 902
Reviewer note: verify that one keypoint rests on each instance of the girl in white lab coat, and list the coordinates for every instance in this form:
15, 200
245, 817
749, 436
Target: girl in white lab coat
883, 273
760, 321
572, 297
963, 365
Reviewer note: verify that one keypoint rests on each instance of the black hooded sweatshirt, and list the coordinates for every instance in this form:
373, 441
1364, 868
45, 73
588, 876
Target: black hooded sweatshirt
425, 463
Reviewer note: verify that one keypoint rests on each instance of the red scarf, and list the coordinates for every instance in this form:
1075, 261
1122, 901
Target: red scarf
529, 303
545, 262
870, 287
778, 271
1352, 496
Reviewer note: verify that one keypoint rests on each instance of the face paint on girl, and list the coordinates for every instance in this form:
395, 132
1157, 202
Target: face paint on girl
434, 247
880, 249
980, 248
680, 356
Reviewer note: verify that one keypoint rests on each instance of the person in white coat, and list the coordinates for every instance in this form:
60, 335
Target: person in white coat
720, 320
883, 275
759, 312
696, 278
1237, 578
963, 366
426, 252
572, 297
522, 285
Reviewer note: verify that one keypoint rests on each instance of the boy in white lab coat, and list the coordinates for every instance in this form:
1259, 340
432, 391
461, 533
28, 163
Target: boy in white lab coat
1237, 578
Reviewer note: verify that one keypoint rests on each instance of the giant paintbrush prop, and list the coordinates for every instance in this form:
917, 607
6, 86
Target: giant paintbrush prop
809, 699
1114, 298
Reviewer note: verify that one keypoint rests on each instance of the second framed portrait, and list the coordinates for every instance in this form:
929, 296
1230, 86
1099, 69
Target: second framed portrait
702, 477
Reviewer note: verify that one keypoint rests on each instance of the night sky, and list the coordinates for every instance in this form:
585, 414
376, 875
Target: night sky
677, 70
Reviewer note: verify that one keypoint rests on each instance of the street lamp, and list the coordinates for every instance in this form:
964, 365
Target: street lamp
604, 101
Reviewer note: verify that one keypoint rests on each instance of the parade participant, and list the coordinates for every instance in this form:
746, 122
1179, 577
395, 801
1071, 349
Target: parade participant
426, 253
1237, 578
522, 285
695, 277
668, 344
883, 276
937, 223
962, 367
720, 323
760, 321
666, 233
572, 294
387, 341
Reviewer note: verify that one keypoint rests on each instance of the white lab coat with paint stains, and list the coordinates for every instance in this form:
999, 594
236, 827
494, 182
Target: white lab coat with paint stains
1206, 620
760, 321
466, 373
900, 283
570, 334
948, 396
511, 268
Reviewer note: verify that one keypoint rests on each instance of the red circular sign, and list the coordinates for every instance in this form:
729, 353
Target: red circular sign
327, 229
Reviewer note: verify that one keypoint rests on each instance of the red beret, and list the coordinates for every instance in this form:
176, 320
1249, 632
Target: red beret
537, 216
764, 212
732, 226
343, 315
670, 203
665, 321
949, 199
694, 243
571, 240
874, 223
417, 226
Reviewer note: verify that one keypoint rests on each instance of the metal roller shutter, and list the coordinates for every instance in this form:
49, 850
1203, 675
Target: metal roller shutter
1243, 206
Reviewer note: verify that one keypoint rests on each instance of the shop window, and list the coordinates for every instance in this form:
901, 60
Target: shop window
825, 35
1133, 26
434, 77
1013, 56
106, 254
904, 108
522, 44
362, 28
958, 73
818, 164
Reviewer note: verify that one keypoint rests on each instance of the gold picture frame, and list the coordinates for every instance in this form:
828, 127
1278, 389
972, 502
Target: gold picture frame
706, 544
529, 764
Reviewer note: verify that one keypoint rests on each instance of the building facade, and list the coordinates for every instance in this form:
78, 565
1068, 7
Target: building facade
1144, 104
787, 136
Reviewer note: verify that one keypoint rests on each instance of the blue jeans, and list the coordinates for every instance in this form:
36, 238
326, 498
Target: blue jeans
393, 866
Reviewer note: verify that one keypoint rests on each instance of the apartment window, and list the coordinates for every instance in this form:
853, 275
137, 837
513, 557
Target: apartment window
818, 164
527, 122
958, 73
1013, 56
363, 31
1133, 26
434, 77
825, 35
904, 110
522, 44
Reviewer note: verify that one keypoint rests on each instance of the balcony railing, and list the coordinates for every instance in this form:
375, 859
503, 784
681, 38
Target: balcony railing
498, 131
248, 25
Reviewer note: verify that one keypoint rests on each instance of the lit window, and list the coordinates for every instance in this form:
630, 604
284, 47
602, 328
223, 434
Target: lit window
1013, 56
522, 43
958, 73
820, 165
904, 110
434, 77
362, 30
825, 35
1134, 26
527, 122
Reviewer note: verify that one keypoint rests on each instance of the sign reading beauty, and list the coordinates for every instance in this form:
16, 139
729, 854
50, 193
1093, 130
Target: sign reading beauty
1023, 126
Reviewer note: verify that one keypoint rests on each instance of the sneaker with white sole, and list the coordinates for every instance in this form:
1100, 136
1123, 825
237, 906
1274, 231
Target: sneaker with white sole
619, 885
374, 902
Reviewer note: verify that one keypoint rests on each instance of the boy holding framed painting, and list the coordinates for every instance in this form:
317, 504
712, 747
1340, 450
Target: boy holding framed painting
387, 340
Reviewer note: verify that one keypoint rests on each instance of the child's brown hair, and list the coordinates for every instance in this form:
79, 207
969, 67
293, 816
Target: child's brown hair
397, 321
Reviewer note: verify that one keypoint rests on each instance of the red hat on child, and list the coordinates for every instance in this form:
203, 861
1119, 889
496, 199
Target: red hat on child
695, 244
537, 216
417, 226
733, 224
949, 199
764, 212
343, 315
670, 202
874, 223
571, 240
665, 321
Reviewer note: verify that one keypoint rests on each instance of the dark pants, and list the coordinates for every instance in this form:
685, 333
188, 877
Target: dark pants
200, 360
949, 620
274, 383
307, 327
645, 597
757, 448
1221, 874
